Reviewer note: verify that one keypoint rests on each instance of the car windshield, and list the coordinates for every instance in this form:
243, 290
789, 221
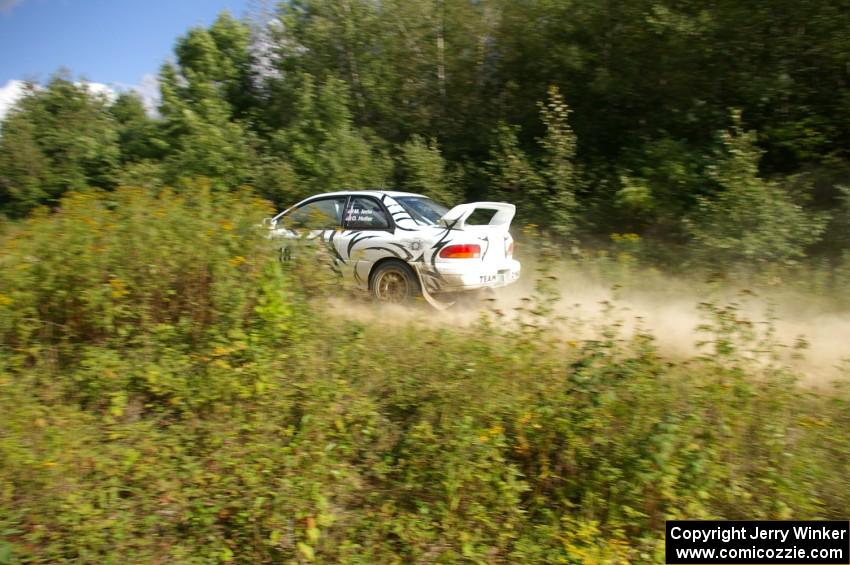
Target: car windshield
422, 210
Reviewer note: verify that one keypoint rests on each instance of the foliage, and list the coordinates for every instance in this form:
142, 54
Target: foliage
545, 191
659, 183
559, 168
322, 146
424, 171
513, 177
137, 282
216, 62
199, 121
168, 394
139, 137
463, 100
752, 220
58, 139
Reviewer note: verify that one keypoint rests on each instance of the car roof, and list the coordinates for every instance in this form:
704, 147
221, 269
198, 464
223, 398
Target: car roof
366, 192
376, 193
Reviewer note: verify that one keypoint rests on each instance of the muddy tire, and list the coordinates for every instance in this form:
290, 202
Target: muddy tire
393, 282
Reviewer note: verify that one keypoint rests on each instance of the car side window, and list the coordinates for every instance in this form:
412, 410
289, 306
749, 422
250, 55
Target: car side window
365, 213
325, 214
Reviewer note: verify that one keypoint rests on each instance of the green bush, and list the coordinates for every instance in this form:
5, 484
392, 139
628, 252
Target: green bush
752, 221
149, 290
168, 394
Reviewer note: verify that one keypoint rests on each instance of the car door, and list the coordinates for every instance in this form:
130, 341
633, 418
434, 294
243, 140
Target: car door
367, 236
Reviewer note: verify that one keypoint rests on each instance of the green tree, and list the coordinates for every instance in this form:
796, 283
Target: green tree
558, 164
413, 67
330, 39
57, 139
212, 147
658, 183
423, 170
752, 220
322, 145
543, 189
218, 61
138, 134
512, 175
205, 95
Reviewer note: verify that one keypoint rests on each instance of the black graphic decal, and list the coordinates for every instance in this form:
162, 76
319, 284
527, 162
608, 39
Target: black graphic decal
439, 246
407, 254
333, 249
436, 249
387, 249
357, 239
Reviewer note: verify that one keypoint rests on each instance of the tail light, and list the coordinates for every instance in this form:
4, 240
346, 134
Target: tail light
461, 252
509, 251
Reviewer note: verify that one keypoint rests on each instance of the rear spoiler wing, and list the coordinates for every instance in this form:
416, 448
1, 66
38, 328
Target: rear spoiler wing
457, 216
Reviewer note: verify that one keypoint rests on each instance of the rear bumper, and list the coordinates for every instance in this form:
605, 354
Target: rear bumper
462, 277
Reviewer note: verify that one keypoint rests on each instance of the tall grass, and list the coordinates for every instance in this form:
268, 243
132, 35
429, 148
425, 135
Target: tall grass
169, 394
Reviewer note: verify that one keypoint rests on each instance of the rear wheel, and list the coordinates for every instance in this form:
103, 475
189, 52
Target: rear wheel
394, 282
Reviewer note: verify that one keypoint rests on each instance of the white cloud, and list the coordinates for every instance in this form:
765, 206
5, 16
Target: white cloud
147, 89
17, 89
10, 94
99, 89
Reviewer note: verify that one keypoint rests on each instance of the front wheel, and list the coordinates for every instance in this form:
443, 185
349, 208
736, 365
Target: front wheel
394, 282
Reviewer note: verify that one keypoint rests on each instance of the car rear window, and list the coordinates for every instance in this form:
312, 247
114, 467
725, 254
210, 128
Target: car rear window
423, 210
317, 215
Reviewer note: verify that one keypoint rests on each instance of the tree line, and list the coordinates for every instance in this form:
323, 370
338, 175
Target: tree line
718, 127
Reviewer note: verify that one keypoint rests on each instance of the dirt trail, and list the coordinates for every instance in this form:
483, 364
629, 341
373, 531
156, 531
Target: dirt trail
667, 309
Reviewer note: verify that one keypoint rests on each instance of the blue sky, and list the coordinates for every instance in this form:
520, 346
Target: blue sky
116, 42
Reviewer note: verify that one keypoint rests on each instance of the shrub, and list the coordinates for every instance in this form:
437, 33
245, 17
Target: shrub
752, 220
147, 289
167, 394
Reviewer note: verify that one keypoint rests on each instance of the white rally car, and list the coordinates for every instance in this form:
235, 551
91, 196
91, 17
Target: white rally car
399, 245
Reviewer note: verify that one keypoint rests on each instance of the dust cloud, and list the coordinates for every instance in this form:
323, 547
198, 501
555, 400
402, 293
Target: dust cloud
667, 308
